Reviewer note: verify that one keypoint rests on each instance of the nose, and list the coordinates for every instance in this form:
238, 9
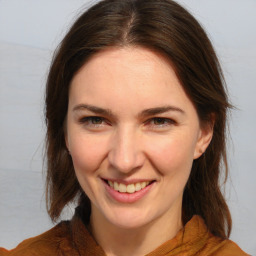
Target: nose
125, 153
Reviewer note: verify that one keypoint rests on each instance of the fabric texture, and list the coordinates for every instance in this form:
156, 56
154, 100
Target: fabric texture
72, 238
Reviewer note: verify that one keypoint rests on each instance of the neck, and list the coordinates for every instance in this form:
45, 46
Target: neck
134, 241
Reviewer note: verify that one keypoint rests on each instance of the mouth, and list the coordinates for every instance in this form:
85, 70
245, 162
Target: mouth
128, 188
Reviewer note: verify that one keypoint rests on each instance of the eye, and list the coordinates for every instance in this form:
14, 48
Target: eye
160, 122
94, 121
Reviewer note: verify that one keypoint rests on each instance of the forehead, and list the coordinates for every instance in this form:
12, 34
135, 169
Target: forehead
130, 60
127, 75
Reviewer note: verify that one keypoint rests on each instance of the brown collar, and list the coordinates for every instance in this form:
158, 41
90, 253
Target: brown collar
188, 241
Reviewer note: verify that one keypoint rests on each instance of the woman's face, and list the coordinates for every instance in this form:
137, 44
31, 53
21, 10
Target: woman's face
133, 134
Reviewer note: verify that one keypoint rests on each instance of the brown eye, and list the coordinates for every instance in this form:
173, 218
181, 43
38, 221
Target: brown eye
159, 121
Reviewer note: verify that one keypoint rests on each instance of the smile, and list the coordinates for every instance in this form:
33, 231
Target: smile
130, 188
125, 192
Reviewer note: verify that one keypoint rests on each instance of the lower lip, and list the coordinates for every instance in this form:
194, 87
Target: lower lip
127, 197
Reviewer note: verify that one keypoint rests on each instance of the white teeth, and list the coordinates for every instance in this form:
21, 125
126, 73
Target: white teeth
131, 188
143, 184
122, 188
115, 186
137, 186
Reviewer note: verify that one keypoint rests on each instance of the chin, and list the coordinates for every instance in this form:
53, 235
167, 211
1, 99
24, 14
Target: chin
129, 223
129, 219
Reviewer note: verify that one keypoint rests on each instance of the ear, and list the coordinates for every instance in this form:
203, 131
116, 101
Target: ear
204, 137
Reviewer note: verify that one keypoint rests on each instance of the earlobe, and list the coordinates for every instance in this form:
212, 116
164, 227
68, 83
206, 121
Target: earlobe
204, 139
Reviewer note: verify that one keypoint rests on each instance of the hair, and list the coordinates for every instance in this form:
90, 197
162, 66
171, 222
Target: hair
167, 28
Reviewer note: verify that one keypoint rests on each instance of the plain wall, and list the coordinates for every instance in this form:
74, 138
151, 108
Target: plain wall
29, 32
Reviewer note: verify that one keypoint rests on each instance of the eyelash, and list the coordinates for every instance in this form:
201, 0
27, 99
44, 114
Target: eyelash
166, 121
90, 119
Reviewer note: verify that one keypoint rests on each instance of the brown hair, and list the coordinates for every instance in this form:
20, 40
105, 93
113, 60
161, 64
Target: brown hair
165, 27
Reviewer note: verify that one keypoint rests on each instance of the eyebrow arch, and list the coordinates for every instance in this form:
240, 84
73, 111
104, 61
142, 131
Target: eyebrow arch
144, 113
94, 109
160, 110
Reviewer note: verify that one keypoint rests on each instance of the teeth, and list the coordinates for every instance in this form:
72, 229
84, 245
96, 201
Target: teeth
131, 188
116, 186
111, 184
122, 188
143, 184
137, 186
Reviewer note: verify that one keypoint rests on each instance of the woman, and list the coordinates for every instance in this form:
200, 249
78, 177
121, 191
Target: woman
136, 115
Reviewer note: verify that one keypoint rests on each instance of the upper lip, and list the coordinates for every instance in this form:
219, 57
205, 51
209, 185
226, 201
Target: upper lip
127, 182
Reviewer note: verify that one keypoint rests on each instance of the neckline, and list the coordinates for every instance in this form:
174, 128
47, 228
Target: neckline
193, 236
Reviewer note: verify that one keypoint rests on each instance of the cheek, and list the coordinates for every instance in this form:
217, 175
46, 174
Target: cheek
87, 153
172, 155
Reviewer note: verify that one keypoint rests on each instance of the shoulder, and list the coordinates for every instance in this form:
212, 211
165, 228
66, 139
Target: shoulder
218, 247
49, 243
204, 242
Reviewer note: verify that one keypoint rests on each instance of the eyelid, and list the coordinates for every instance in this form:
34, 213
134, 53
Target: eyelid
168, 122
88, 119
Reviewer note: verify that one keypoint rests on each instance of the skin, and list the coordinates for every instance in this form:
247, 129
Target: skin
126, 143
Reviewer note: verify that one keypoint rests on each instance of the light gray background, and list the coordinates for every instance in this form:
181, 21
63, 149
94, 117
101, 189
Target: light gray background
29, 32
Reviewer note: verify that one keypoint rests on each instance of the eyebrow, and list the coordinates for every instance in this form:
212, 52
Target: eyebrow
160, 110
144, 113
94, 109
